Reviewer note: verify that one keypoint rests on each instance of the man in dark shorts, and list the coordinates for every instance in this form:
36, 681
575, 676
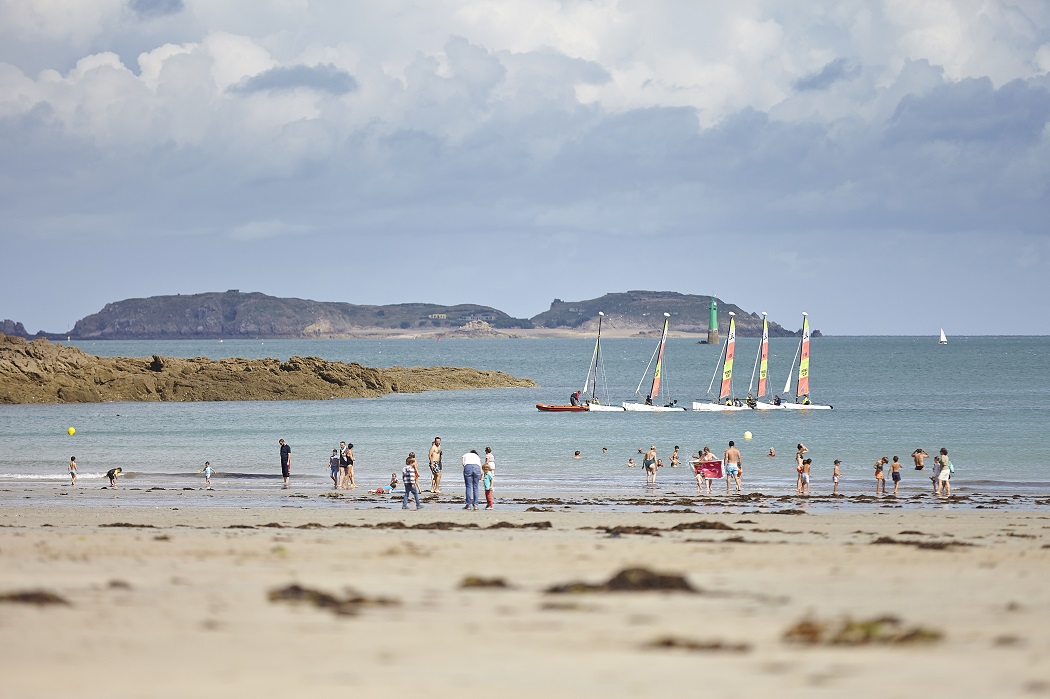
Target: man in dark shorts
920, 455
895, 473
286, 461
434, 457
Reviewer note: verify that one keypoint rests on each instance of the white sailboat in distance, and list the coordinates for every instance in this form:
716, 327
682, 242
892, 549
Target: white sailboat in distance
943, 339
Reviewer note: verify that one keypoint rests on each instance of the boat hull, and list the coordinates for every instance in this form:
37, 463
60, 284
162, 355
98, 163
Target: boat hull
717, 408
643, 408
767, 406
799, 406
561, 408
592, 408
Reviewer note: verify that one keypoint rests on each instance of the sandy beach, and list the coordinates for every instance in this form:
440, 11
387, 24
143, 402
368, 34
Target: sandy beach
191, 601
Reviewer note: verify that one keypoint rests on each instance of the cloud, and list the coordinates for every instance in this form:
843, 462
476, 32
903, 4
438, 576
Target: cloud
322, 78
833, 72
149, 9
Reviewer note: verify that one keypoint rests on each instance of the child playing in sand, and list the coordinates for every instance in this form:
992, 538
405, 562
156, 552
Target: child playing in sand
207, 474
387, 489
835, 478
880, 477
486, 481
72, 470
112, 474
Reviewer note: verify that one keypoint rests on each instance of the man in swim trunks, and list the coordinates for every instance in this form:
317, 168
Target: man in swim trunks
895, 473
435, 465
286, 461
920, 455
835, 478
734, 465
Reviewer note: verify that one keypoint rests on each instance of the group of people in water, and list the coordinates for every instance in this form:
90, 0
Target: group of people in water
709, 468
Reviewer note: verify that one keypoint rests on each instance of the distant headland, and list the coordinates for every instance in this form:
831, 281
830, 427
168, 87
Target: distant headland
235, 314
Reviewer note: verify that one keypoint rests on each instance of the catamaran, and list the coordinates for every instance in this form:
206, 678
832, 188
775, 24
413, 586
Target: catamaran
762, 369
943, 340
651, 404
726, 401
595, 373
802, 401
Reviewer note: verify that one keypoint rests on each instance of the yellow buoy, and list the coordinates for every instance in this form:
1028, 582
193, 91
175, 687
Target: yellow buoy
71, 431
747, 435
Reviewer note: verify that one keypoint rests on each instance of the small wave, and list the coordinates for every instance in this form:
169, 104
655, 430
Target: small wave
47, 476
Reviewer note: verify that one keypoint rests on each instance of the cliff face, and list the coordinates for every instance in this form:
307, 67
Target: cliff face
233, 314
643, 310
10, 327
42, 372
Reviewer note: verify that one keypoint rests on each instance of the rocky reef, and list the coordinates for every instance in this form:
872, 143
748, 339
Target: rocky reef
44, 372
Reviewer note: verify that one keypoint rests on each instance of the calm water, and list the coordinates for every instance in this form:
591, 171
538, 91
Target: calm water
986, 399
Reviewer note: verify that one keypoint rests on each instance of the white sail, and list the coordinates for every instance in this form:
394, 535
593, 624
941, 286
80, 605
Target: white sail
943, 339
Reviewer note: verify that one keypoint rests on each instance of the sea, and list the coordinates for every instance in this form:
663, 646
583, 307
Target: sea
985, 399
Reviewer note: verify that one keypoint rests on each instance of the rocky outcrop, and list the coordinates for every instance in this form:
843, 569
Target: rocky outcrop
43, 372
479, 329
10, 327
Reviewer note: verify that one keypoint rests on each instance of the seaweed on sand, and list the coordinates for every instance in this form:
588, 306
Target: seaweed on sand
690, 644
701, 524
41, 598
341, 606
475, 582
885, 630
630, 580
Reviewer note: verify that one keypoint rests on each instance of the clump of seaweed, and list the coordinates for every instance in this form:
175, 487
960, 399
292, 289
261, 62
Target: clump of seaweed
929, 545
884, 630
475, 581
701, 524
630, 580
631, 529
41, 598
129, 524
677, 642
341, 606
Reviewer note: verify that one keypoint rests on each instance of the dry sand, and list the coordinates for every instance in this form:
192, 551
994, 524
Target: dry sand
181, 609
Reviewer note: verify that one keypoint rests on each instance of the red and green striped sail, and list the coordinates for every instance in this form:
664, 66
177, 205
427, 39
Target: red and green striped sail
727, 368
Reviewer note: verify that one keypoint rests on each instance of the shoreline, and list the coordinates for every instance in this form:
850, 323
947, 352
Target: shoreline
194, 602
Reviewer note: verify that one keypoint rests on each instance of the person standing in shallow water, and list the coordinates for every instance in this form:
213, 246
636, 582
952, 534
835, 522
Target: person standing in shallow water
72, 470
286, 461
733, 465
471, 478
649, 462
435, 465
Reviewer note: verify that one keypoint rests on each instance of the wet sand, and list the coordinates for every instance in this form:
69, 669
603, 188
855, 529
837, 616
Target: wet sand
182, 607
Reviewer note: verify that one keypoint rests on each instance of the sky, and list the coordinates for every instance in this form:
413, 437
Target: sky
883, 165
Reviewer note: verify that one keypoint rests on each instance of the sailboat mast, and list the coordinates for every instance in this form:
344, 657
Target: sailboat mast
758, 355
597, 355
763, 349
803, 361
791, 368
727, 367
655, 391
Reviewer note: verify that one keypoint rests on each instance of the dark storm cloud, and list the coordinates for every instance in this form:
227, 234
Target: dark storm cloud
833, 72
322, 78
148, 9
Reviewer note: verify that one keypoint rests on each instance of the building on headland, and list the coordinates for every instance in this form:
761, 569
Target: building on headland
712, 324
438, 316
